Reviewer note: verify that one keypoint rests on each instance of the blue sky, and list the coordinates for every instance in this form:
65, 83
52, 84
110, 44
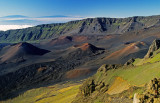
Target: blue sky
74, 9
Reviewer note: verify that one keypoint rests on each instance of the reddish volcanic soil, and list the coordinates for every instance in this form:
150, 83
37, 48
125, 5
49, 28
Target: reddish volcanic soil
67, 39
130, 48
20, 50
109, 37
80, 38
10, 53
85, 46
77, 73
41, 69
61, 40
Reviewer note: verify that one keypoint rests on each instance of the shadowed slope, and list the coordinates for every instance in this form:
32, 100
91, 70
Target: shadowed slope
63, 40
85, 50
60, 41
20, 50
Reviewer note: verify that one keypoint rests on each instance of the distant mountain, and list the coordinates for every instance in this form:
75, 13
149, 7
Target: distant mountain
54, 16
90, 26
14, 16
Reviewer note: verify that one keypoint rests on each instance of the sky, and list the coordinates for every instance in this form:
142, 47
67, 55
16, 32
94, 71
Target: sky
34, 12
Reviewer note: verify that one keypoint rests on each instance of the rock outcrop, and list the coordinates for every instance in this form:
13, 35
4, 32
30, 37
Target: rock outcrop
130, 62
151, 94
135, 99
91, 84
95, 85
154, 46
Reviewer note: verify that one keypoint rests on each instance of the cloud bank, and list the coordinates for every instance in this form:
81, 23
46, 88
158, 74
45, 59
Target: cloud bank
9, 27
21, 21
25, 20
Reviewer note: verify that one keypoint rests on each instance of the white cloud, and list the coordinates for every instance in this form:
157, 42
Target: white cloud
9, 27
56, 19
14, 18
19, 22
36, 20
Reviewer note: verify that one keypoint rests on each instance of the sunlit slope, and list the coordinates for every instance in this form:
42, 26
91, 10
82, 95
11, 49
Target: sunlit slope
152, 56
86, 26
118, 80
114, 83
111, 83
59, 93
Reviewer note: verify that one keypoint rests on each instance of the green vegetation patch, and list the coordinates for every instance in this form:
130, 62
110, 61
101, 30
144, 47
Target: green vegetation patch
59, 93
135, 75
153, 59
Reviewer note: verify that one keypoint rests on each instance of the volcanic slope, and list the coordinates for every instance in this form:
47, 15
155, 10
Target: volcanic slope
84, 53
74, 56
20, 51
65, 41
36, 74
84, 27
85, 49
111, 83
119, 83
134, 50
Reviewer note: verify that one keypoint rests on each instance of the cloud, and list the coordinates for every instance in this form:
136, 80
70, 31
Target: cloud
14, 16
9, 27
57, 19
19, 22
20, 19
54, 16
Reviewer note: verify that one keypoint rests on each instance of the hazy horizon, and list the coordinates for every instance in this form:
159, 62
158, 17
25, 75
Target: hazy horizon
35, 12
